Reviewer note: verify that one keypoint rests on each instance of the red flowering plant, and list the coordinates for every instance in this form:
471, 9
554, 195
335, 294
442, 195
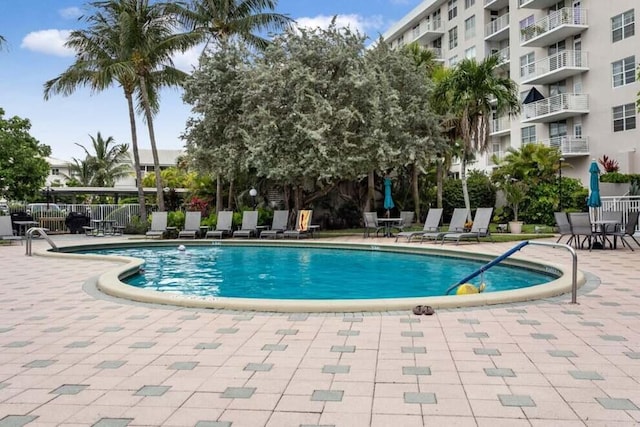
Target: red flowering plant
198, 204
609, 164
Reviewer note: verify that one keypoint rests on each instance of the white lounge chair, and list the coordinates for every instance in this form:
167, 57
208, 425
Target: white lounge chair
6, 230
278, 225
191, 225
249, 227
480, 227
455, 226
223, 225
431, 225
158, 225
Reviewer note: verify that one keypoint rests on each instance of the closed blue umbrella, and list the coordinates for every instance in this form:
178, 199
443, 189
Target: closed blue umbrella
594, 186
388, 201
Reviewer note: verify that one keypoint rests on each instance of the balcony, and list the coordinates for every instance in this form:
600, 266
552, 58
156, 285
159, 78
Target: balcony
495, 4
536, 4
554, 108
504, 56
498, 29
555, 68
437, 52
500, 126
570, 146
554, 27
428, 31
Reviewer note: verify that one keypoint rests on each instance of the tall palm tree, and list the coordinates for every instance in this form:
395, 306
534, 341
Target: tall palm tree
109, 161
472, 90
216, 21
80, 171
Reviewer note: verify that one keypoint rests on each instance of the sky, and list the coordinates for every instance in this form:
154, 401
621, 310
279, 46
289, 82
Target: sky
36, 30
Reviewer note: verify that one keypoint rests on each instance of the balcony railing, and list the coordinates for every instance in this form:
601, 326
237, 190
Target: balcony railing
569, 146
503, 54
428, 30
556, 107
494, 29
572, 20
555, 67
437, 53
500, 125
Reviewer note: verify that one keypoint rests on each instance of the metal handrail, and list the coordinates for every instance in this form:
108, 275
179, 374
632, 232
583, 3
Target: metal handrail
29, 238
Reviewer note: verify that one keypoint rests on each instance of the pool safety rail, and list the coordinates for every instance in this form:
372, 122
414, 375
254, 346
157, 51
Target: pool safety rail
42, 233
499, 259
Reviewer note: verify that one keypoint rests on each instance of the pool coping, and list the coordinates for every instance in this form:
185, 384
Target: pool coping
109, 282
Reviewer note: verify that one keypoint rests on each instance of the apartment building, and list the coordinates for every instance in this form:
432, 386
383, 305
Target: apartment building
574, 61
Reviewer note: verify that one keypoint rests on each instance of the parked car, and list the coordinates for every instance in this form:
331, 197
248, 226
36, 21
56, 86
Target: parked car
4, 208
51, 209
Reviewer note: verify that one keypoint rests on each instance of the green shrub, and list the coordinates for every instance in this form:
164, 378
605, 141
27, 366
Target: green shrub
176, 219
135, 226
615, 177
543, 201
482, 193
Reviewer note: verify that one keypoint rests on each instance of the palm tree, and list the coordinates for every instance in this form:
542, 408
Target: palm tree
3, 42
80, 172
216, 21
472, 90
110, 161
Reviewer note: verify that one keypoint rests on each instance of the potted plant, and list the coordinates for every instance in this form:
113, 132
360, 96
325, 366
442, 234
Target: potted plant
515, 193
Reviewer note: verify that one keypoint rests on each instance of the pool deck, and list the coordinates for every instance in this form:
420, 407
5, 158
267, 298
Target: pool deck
72, 357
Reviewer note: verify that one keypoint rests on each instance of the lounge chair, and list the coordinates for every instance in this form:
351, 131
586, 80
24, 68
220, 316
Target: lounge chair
158, 225
191, 225
278, 225
455, 226
223, 225
406, 220
303, 225
629, 230
6, 230
431, 225
249, 227
480, 227
581, 227
564, 226
371, 224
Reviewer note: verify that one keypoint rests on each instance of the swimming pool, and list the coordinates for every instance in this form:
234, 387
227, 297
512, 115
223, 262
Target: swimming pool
311, 273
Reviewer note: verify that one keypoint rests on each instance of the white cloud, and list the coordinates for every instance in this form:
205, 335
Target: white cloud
355, 22
70, 12
188, 60
50, 42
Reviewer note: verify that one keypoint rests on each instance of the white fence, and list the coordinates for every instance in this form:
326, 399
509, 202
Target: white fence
625, 204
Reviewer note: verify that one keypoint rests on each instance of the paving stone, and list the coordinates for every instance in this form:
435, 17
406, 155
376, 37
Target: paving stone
348, 333
487, 351
610, 303
516, 310
79, 344
469, 321
588, 323
327, 395
142, 344
287, 332
343, 348
137, 317
612, 337
87, 317
69, 389
207, 346
213, 424
113, 422
39, 364
238, 392
336, 369
275, 347
538, 336
516, 400
416, 370
317, 425
112, 329
618, 404
55, 329
586, 375
417, 350
499, 372
528, 322
243, 317
629, 313
409, 320
298, 317
561, 353
3, 330
415, 334
573, 312
422, 398
18, 344
168, 330
189, 317
111, 364
476, 335
39, 317
183, 366
4, 385
152, 390
352, 319
16, 420
258, 367
632, 354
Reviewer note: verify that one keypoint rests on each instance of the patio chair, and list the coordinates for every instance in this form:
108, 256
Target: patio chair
158, 225
456, 225
6, 230
406, 220
303, 225
371, 224
191, 225
480, 227
564, 226
581, 227
223, 225
431, 225
249, 227
629, 230
278, 225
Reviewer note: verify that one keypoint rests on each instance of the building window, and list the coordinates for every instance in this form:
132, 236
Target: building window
453, 38
527, 64
623, 71
470, 28
453, 9
623, 26
469, 3
400, 41
528, 135
453, 60
624, 117
470, 53
527, 22
55, 171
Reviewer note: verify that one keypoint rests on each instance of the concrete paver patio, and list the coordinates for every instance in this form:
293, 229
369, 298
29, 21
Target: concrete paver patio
69, 357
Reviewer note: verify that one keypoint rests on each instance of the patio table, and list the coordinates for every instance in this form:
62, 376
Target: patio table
388, 223
602, 225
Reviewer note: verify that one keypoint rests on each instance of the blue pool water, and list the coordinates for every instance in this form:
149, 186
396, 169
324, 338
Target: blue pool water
310, 273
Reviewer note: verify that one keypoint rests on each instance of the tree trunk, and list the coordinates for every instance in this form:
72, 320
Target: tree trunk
230, 198
439, 182
152, 140
465, 191
416, 191
371, 193
219, 206
287, 196
136, 158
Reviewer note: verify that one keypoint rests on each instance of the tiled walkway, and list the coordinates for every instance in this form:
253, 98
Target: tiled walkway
68, 358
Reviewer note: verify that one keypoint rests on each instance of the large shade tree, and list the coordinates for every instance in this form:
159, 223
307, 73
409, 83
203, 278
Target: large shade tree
472, 91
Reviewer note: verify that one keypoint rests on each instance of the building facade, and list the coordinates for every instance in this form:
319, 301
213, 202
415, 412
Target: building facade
575, 62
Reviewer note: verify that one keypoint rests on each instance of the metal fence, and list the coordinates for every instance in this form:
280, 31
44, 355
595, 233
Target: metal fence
624, 204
